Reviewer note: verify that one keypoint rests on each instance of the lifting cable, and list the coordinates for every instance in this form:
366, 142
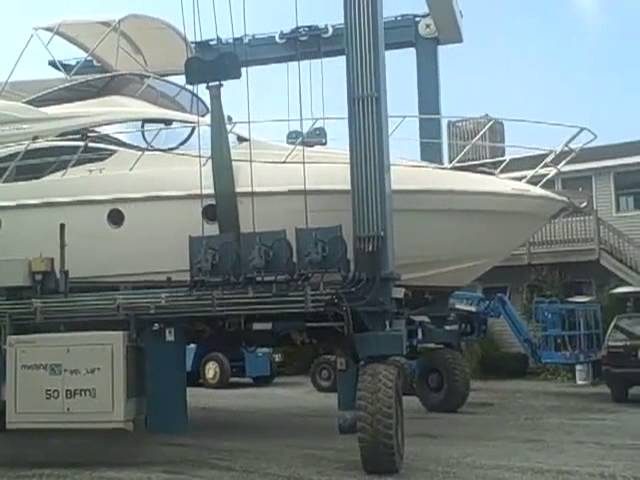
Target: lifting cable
196, 5
196, 10
311, 91
233, 33
324, 117
246, 73
304, 163
184, 28
215, 19
288, 99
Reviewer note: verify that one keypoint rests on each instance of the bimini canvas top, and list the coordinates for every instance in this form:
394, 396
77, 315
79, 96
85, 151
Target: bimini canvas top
134, 43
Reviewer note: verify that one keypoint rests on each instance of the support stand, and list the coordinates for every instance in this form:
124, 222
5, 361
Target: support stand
165, 378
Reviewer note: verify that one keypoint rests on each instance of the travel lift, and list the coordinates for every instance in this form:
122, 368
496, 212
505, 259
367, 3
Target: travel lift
370, 385
249, 281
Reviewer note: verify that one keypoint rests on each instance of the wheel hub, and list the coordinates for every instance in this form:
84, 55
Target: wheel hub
435, 381
212, 372
325, 376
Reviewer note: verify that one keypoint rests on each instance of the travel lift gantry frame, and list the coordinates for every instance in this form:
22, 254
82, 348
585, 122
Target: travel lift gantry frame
371, 329
370, 387
424, 33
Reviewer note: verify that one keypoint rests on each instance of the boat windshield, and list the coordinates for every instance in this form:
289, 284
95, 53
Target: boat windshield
625, 328
157, 91
151, 135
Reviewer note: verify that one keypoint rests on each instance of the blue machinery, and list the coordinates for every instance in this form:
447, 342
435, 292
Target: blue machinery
215, 364
571, 333
561, 333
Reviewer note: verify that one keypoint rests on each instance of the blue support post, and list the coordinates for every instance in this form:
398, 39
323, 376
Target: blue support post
165, 379
428, 73
3, 385
347, 383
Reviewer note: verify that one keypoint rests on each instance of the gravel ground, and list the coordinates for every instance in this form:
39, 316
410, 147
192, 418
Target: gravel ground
508, 430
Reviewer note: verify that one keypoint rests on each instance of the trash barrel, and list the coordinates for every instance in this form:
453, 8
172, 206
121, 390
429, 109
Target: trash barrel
584, 374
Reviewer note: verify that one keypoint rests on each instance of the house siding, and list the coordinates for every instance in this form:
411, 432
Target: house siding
604, 202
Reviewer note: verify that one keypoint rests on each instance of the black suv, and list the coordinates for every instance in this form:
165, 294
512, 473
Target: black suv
621, 359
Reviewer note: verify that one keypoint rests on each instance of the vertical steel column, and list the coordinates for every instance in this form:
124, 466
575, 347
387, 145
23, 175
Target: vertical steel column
222, 165
428, 73
370, 192
165, 379
369, 150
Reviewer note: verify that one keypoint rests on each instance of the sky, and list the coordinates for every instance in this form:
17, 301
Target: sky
572, 61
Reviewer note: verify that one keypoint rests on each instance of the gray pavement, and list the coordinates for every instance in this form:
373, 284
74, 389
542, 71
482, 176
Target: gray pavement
524, 429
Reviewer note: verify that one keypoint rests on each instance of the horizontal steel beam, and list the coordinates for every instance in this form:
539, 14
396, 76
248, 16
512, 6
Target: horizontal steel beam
305, 43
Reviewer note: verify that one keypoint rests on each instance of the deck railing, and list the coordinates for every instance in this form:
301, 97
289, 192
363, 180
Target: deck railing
584, 230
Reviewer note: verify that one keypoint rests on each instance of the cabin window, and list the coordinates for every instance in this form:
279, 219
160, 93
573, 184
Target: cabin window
115, 218
38, 162
210, 213
583, 184
626, 186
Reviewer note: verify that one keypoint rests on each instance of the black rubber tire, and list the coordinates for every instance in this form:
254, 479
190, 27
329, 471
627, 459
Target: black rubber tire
324, 364
267, 379
380, 419
222, 380
408, 381
619, 392
452, 391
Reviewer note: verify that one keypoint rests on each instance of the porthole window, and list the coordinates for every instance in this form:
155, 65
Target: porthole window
115, 218
210, 213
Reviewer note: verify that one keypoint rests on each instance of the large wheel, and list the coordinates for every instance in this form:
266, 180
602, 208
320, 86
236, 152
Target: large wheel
215, 370
324, 375
267, 379
619, 392
407, 372
442, 381
380, 418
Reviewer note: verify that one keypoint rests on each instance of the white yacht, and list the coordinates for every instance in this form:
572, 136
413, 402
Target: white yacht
129, 207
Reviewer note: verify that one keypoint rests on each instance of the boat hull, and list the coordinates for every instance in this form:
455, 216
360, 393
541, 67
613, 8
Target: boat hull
441, 239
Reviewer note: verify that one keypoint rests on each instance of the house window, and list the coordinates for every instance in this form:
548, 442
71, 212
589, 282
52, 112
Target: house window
626, 186
573, 288
583, 184
549, 184
493, 290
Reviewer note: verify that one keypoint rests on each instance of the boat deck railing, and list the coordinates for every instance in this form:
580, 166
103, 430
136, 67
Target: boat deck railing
553, 145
